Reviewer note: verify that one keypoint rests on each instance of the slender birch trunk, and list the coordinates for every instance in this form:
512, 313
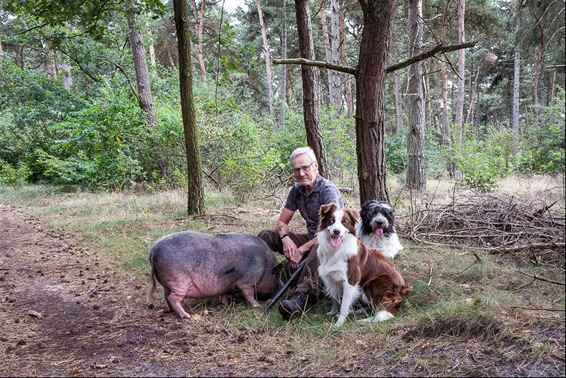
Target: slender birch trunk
459, 120
517, 72
145, 98
336, 90
267, 58
310, 87
416, 172
345, 62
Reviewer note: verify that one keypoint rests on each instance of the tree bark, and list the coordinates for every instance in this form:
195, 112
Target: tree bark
145, 98
21, 58
539, 61
336, 90
67, 75
195, 190
345, 61
327, 53
370, 88
552, 88
445, 136
517, 72
269, 76
310, 85
461, 70
199, 29
397, 91
283, 81
1, 51
416, 172
473, 94
152, 60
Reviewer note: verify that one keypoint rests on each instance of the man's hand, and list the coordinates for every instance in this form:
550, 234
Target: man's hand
297, 256
289, 247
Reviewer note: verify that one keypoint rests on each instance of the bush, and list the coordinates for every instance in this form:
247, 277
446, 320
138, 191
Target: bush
103, 145
543, 144
14, 176
479, 165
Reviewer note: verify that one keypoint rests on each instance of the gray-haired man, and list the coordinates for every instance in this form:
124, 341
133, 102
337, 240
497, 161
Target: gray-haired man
307, 195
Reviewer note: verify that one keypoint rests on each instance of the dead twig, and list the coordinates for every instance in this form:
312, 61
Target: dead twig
542, 278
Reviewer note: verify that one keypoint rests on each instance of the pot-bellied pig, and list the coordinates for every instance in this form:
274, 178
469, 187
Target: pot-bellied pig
196, 265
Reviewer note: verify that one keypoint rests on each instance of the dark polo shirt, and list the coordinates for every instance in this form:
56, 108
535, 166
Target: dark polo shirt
323, 193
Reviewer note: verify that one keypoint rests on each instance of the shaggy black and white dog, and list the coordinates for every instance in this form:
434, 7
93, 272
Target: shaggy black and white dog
376, 228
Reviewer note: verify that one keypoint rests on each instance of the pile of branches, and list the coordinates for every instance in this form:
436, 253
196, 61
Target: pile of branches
497, 223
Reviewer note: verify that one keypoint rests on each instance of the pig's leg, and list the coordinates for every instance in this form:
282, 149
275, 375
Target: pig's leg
174, 300
166, 293
224, 300
248, 291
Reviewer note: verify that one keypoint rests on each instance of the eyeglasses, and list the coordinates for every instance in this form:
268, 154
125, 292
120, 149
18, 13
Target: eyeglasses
304, 168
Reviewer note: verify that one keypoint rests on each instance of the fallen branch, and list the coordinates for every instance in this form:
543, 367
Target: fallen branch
542, 278
539, 309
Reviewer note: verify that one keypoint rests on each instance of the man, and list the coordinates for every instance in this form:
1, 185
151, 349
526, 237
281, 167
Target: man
307, 195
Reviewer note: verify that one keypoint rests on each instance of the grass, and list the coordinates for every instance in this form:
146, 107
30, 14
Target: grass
455, 296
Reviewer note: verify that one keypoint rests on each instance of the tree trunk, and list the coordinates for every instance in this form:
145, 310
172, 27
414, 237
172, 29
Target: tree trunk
267, 61
552, 88
145, 98
397, 90
370, 88
20, 58
195, 200
517, 72
1, 51
473, 95
444, 122
310, 85
461, 71
152, 60
67, 75
345, 61
336, 90
445, 136
416, 172
199, 29
290, 87
283, 81
539, 61
327, 53
50, 66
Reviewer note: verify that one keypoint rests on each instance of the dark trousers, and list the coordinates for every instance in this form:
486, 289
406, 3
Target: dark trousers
309, 282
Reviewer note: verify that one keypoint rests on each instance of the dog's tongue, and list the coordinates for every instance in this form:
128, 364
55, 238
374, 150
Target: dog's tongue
335, 241
379, 231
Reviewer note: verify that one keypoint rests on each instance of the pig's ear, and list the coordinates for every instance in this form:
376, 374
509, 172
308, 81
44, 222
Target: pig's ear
277, 268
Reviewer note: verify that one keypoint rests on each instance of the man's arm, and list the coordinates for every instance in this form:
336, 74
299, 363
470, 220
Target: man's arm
285, 217
289, 246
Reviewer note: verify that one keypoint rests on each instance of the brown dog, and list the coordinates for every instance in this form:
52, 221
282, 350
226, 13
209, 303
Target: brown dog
350, 270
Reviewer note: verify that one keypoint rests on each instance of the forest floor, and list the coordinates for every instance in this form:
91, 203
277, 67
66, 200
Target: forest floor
68, 309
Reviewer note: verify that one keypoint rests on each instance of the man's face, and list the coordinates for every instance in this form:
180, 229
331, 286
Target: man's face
305, 170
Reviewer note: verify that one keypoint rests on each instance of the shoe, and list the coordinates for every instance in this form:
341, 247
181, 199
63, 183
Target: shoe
294, 306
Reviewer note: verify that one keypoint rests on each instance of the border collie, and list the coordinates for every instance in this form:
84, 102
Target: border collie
351, 271
377, 228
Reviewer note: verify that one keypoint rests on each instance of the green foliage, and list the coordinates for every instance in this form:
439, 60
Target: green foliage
236, 151
103, 145
14, 176
478, 170
29, 102
396, 152
543, 145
